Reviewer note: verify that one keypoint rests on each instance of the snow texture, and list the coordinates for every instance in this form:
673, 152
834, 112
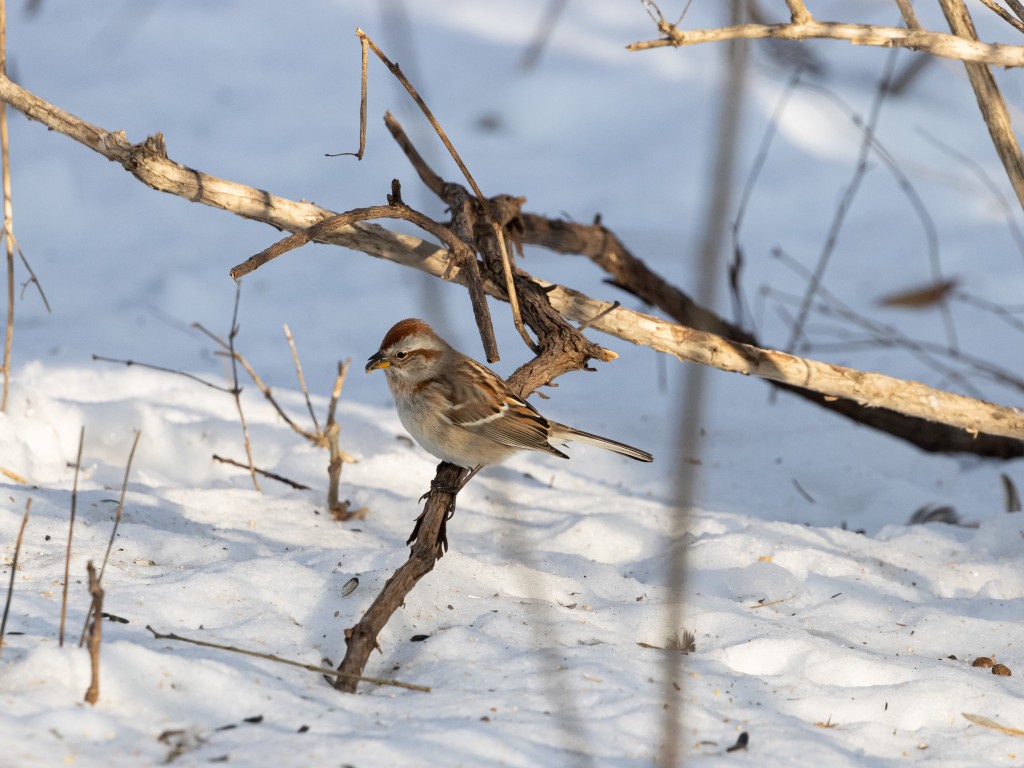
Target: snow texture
826, 628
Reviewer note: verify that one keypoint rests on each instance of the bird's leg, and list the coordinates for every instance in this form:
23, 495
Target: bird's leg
436, 487
465, 477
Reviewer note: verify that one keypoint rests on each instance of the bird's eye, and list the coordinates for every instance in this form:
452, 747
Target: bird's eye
401, 355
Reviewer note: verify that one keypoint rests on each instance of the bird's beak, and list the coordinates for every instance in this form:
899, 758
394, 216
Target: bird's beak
377, 361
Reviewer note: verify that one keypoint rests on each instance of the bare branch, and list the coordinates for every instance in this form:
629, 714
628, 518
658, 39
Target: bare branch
1003, 14
936, 43
498, 234
155, 169
289, 662
990, 100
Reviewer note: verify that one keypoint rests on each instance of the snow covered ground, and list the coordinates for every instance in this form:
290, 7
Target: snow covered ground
827, 628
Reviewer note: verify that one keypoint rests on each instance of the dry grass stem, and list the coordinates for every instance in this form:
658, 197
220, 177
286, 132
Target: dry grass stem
92, 695
279, 660
71, 533
340, 509
14, 569
117, 522
302, 379
236, 391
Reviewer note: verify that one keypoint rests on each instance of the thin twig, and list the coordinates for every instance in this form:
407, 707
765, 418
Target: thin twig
362, 110
843, 208
513, 299
92, 695
117, 522
302, 379
264, 472
610, 308
742, 315
267, 392
236, 391
1000, 312
1004, 15
289, 662
120, 502
71, 532
130, 363
985, 179
14, 569
32, 277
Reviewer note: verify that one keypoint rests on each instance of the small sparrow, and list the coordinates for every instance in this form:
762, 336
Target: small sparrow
462, 412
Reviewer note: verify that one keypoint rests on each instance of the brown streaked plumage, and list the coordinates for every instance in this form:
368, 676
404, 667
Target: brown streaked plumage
462, 412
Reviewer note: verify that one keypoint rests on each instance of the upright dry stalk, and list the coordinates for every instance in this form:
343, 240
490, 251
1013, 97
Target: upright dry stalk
117, 522
331, 432
298, 372
236, 391
71, 533
92, 695
14, 568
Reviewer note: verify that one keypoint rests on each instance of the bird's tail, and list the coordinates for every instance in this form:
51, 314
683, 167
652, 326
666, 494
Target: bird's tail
562, 432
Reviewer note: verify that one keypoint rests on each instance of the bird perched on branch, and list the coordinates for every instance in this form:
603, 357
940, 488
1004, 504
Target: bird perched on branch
462, 412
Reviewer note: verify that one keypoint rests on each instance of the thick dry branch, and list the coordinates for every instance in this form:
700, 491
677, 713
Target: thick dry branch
990, 100
361, 639
968, 417
936, 43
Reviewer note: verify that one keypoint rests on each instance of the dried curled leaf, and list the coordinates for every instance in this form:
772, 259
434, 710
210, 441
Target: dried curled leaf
921, 296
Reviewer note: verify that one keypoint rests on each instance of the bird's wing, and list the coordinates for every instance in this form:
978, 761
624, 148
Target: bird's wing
484, 404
